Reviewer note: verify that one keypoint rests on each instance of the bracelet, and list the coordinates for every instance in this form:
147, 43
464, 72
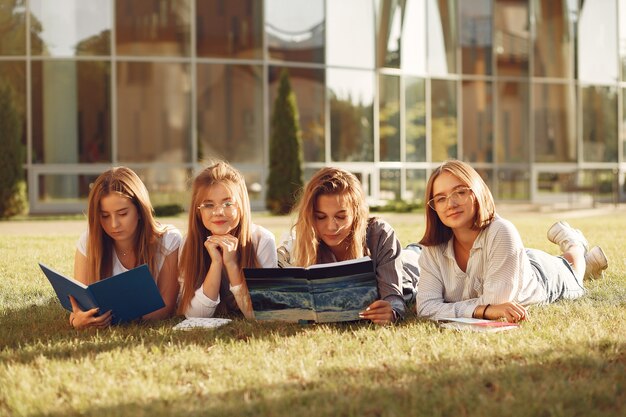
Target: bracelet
485, 310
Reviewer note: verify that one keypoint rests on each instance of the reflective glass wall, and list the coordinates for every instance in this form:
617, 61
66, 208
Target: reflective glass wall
531, 92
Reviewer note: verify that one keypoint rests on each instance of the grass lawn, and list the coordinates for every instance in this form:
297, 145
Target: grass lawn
567, 360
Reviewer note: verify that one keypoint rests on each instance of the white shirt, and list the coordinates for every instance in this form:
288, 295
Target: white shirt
498, 270
170, 241
265, 246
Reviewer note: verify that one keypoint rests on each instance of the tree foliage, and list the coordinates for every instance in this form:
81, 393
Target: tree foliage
285, 173
12, 187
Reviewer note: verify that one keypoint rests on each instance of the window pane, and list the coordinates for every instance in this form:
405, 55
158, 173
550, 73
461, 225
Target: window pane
229, 29
153, 116
230, 112
512, 36
442, 37
13, 85
513, 184
13, 27
64, 188
415, 184
555, 123
390, 185
389, 17
603, 184
166, 185
148, 27
356, 18
413, 47
476, 33
71, 111
295, 30
597, 51
477, 121
555, 186
553, 43
389, 117
444, 120
512, 121
599, 124
351, 96
308, 86
415, 119
71, 27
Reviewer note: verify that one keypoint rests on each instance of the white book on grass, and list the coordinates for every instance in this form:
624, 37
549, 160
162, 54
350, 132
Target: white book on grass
201, 322
476, 325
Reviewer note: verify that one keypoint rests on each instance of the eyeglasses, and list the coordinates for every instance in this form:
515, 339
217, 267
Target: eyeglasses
458, 196
228, 208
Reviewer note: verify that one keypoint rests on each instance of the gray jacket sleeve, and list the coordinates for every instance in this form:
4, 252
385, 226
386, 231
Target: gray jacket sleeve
386, 251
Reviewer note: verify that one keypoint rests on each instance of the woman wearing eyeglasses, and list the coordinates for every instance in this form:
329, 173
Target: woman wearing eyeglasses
474, 263
221, 241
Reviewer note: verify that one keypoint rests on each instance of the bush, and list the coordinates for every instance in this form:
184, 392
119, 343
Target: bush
165, 210
285, 171
398, 206
12, 186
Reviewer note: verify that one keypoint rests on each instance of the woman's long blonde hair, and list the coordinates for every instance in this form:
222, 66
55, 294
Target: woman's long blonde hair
329, 181
436, 232
194, 259
124, 182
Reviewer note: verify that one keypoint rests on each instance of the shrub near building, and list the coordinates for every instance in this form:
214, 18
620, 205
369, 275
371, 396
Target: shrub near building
285, 173
12, 185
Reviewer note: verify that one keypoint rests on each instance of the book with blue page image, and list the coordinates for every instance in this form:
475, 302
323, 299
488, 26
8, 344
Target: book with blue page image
129, 295
322, 293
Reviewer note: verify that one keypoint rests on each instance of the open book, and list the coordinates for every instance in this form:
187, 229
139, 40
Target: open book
201, 322
321, 293
129, 295
476, 325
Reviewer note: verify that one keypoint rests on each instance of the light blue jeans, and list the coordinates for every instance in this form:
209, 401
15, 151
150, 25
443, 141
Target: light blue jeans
556, 275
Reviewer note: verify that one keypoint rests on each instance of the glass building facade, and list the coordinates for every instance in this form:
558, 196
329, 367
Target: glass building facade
532, 93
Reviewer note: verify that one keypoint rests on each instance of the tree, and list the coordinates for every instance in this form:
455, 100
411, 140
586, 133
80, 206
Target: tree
12, 186
285, 176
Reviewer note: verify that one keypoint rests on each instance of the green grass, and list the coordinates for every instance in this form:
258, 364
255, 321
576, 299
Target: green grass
567, 360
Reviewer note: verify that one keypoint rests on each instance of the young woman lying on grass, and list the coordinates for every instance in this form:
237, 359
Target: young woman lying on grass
123, 234
474, 263
333, 225
221, 241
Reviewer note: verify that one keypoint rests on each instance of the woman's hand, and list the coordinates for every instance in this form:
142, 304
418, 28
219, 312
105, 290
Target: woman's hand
227, 245
511, 311
85, 319
213, 248
379, 312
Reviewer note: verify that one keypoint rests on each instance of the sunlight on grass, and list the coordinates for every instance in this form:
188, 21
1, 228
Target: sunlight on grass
568, 359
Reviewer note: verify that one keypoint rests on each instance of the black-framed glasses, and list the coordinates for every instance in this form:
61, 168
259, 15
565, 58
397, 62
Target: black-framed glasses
458, 196
228, 208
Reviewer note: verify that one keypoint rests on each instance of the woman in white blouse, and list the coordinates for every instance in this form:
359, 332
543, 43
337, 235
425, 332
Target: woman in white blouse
474, 263
122, 235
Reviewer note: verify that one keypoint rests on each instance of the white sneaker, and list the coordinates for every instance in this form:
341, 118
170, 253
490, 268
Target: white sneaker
566, 236
596, 262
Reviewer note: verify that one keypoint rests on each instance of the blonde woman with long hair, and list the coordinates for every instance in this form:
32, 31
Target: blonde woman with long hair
123, 234
474, 263
333, 225
221, 241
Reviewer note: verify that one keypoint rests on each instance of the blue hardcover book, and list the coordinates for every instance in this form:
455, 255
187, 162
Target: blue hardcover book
129, 295
320, 293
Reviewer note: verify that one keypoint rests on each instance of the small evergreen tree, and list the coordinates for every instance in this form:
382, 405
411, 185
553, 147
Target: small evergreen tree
285, 174
12, 187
